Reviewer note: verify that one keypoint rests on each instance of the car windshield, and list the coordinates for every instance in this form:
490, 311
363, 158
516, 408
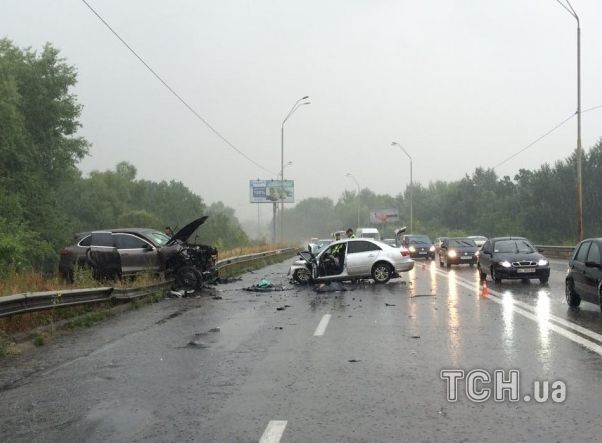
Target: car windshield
514, 247
159, 238
323, 243
462, 243
420, 240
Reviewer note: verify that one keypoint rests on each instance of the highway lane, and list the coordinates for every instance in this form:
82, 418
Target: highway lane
362, 365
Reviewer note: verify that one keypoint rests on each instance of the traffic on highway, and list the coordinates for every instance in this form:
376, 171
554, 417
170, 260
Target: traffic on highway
434, 354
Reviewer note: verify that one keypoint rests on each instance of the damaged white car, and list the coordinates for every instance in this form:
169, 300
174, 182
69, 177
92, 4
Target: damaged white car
352, 259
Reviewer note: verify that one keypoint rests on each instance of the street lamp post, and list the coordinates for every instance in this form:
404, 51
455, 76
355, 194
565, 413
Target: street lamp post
571, 11
296, 106
349, 174
411, 186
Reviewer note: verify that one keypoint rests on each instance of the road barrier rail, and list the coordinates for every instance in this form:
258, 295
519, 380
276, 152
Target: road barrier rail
556, 251
45, 300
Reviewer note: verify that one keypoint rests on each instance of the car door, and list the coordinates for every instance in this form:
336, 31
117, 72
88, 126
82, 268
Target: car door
361, 255
592, 274
137, 255
103, 255
577, 266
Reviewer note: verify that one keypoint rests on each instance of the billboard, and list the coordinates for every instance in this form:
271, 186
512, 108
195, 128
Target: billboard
384, 216
270, 191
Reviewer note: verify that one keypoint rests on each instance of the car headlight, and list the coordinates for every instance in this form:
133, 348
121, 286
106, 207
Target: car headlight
412, 249
542, 262
432, 249
476, 254
506, 264
452, 253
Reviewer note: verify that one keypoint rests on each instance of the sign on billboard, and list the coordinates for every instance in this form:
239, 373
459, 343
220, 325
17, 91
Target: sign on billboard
384, 216
270, 191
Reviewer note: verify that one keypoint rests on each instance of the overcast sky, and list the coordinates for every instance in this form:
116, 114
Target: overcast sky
460, 84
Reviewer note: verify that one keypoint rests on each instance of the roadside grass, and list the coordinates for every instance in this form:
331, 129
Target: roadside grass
41, 326
35, 281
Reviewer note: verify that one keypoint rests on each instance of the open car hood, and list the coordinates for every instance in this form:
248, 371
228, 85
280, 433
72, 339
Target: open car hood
185, 233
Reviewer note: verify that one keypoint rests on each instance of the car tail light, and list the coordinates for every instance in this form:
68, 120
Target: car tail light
404, 252
65, 253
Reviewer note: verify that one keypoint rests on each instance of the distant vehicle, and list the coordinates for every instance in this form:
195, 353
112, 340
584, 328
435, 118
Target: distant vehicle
368, 233
318, 245
584, 279
478, 239
437, 243
390, 242
114, 253
341, 233
420, 246
458, 251
357, 258
512, 258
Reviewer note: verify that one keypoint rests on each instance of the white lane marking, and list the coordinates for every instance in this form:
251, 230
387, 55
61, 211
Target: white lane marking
273, 433
322, 326
569, 324
571, 336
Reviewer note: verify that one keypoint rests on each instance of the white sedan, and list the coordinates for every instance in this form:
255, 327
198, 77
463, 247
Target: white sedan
351, 259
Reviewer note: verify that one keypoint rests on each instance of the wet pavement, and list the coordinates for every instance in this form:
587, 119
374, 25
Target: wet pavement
359, 365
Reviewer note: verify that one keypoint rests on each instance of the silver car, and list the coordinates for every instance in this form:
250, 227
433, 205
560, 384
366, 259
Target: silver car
352, 259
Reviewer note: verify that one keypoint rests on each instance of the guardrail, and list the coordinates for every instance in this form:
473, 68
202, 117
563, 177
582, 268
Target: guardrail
39, 301
556, 251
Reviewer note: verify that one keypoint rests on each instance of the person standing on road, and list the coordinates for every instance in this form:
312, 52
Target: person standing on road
350, 233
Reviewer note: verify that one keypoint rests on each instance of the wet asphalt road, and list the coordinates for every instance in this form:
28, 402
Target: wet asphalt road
362, 365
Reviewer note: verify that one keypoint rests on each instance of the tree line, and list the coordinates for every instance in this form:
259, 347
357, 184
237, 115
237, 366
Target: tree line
45, 199
538, 204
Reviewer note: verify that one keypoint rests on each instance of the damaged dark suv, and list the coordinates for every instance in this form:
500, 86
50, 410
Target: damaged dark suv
116, 253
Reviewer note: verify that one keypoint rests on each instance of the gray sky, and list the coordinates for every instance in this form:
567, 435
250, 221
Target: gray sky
459, 83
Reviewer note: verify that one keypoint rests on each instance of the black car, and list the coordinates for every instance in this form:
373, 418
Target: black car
112, 253
458, 251
420, 246
512, 258
584, 278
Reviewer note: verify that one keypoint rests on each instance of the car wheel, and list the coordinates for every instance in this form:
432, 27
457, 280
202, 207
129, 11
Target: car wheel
496, 278
381, 272
572, 298
189, 278
447, 263
302, 276
543, 280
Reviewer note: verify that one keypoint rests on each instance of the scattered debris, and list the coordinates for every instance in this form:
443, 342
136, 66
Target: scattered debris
217, 297
175, 294
389, 304
353, 360
197, 344
216, 329
279, 327
415, 336
226, 280
282, 308
265, 285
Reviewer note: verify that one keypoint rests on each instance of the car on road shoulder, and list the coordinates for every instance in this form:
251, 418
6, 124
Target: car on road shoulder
584, 277
368, 233
352, 259
458, 251
512, 258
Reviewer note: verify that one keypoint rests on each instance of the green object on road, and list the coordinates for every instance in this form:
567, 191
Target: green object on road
264, 283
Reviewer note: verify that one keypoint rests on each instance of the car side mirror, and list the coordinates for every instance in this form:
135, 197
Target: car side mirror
540, 250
